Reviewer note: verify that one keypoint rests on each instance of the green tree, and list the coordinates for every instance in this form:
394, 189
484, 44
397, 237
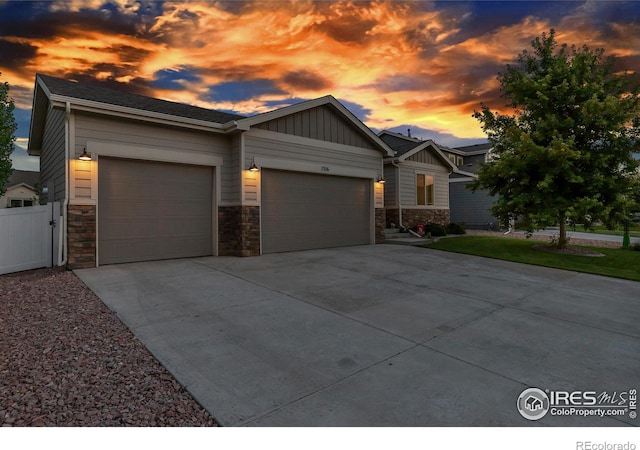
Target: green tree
7, 138
566, 151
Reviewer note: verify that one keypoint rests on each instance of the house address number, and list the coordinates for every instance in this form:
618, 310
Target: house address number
324, 169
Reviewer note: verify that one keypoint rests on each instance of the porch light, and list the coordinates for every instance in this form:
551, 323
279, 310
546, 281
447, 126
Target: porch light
253, 167
380, 180
84, 156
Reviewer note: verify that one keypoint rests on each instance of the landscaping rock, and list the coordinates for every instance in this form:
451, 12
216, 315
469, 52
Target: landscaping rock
67, 360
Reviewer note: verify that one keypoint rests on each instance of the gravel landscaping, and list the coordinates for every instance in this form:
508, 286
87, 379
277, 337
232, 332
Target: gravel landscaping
67, 360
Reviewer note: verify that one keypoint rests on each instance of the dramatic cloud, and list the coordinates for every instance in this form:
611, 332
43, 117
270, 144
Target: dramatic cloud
416, 64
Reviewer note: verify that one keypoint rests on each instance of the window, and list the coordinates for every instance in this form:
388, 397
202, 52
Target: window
424, 189
452, 158
459, 163
18, 203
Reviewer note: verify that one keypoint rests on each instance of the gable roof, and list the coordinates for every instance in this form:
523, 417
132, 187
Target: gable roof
85, 97
469, 150
25, 177
58, 87
328, 100
404, 147
398, 142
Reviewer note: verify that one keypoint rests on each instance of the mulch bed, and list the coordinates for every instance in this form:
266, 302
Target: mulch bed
67, 360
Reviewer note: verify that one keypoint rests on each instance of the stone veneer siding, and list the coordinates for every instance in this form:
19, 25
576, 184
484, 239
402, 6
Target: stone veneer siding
380, 225
412, 217
239, 231
81, 235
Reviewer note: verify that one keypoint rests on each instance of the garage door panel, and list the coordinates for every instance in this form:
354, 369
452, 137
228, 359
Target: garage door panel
304, 211
151, 210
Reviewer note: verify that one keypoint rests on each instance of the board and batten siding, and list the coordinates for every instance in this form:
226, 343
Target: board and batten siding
390, 186
94, 128
321, 123
408, 171
424, 156
52, 158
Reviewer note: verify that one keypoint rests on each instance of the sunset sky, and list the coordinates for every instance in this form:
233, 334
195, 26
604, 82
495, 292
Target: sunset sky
396, 65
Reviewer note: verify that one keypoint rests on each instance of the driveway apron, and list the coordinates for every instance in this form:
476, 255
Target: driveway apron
378, 335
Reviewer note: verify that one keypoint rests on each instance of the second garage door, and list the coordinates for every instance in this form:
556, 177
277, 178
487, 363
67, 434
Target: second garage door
151, 210
302, 211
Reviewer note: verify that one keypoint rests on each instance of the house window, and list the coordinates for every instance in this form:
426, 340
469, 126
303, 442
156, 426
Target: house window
18, 203
459, 161
452, 158
424, 189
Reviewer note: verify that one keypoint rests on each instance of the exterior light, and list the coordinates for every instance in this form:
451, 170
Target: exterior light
381, 180
84, 156
253, 167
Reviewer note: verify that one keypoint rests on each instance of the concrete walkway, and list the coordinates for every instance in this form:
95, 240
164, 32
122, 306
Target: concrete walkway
378, 335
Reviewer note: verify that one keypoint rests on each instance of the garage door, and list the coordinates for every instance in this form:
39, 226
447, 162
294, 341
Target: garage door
151, 210
304, 211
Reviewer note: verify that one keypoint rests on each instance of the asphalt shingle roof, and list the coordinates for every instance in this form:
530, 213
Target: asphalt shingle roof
27, 177
100, 94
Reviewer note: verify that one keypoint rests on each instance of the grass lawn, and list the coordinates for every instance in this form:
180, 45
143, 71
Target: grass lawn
616, 262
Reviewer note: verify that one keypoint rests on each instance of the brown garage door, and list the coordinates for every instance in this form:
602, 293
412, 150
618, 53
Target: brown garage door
150, 210
302, 211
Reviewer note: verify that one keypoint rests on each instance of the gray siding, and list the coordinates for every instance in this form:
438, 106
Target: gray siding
264, 147
230, 189
408, 184
472, 208
390, 186
321, 123
129, 132
52, 157
424, 156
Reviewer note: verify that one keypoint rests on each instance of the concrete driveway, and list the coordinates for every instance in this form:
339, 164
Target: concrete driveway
378, 335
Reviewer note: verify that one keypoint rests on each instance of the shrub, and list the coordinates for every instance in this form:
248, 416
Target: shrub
455, 228
435, 229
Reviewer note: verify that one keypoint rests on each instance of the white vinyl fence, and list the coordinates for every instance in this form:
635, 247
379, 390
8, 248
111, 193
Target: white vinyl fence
28, 237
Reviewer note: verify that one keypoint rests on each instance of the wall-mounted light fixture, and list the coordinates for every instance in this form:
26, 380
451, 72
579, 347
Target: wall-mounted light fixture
84, 156
380, 180
253, 167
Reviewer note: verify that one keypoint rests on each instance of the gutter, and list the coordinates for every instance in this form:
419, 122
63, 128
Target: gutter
63, 249
394, 163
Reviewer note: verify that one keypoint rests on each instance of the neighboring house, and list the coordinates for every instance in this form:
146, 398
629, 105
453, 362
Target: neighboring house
417, 181
471, 208
21, 189
169, 180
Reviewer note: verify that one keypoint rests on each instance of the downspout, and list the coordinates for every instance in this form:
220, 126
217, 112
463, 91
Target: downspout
62, 258
394, 164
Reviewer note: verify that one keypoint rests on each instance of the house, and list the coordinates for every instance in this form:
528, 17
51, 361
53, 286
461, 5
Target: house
169, 180
468, 207
417, 181
21, 189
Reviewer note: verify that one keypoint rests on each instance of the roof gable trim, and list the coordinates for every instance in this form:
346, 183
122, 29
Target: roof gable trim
247, 123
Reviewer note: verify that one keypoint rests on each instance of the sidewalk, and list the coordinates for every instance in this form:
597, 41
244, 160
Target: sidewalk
575, 237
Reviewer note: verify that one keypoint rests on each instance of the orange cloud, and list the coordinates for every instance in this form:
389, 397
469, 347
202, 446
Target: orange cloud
406, 62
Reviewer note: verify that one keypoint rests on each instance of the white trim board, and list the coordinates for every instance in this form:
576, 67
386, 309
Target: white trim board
119, 150
265, 162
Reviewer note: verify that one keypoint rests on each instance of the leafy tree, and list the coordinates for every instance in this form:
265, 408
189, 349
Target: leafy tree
566, 151
7, 129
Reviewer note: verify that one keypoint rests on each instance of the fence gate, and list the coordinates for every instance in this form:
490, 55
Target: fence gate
29, 237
